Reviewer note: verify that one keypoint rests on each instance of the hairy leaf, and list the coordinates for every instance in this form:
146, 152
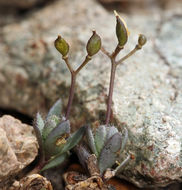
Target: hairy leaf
100, 137
83, 154
111, 130
39, 122
57, 139
109, 153
50, 124
91, 141
39, 139
74, 139
55, 162
55, 109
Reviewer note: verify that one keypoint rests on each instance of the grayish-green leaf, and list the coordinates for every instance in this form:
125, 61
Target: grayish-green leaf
74, 139
109, 153
39, 138
91, 141
51, 147
111, 130
50, 124
100, 137
39, 122
55, 109
55, 162
83, 155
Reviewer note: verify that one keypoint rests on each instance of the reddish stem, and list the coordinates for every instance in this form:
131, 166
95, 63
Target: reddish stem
71, 94
111, 87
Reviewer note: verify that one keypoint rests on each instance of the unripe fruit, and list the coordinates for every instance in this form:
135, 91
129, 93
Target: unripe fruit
94, 44
62, 46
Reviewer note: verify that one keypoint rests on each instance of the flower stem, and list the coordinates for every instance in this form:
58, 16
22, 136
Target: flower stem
105, 52
128, 55
71, 94
87, 59
73, 81
111, 87
65, 58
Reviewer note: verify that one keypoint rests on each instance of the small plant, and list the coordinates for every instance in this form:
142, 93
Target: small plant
53, 133
54, 138
102, 155
107, 146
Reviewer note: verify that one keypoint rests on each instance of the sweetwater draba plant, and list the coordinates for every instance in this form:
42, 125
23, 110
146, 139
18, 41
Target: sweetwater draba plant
102, 158
53, 132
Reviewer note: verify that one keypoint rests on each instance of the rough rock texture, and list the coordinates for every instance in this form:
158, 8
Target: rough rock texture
20, 3
34, 182
148, 92
18, 147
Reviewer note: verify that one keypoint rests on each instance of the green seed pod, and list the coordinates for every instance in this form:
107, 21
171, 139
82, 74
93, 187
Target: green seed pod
94, 44
142, 40
121, 30
61, 45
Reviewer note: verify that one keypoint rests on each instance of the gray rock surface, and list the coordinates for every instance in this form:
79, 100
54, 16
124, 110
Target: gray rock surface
18, 148
20, 3
148, 92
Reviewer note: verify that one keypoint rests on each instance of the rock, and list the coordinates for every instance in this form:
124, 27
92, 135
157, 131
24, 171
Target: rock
147, 97
23, 4
18, 148
34, 181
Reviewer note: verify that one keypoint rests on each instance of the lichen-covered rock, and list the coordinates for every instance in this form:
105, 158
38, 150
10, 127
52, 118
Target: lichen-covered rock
148, 92
18, 148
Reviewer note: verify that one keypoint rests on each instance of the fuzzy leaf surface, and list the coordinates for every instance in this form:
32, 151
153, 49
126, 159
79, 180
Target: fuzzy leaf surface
55, 109
108, 154
100, 137
55, 162
91, 141
83, 155
39, 122
50, 124
39, 138
111, 130
58, 132
74, 139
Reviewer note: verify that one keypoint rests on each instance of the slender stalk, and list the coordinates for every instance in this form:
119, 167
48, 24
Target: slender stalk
87, 59
111, 87
118, 169
68, 64
73, 81
71, 94
105, 52
128, 55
